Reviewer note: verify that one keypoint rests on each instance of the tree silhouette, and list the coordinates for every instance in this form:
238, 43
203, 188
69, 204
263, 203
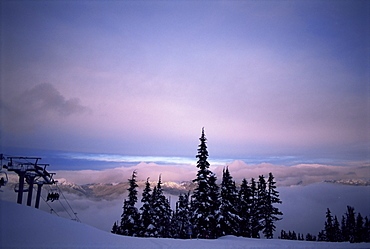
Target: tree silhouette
130, 216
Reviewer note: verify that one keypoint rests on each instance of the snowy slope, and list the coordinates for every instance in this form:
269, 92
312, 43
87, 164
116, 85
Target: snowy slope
26, 227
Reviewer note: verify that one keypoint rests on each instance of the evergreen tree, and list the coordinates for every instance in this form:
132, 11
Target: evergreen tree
293, 236
336, 230
115, 228
181, 221
350, 224
130, 216
367, 229
329, 231
310, 237
229, 219
261, 203
146, 219
271, 212
321, 236
254, 211
344, 232
161, 212
245, 205
283, 235
360, 231
202, 211
300, 236
214, 214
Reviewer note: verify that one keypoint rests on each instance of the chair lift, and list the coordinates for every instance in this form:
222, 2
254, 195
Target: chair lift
3, 175
53, 195
3, 178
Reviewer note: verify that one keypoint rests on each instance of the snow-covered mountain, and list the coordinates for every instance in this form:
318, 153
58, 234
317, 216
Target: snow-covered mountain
104, 191
354, 182
26, 227
112, 191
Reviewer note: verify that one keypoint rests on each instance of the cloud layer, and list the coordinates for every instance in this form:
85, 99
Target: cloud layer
304, 206
302, 174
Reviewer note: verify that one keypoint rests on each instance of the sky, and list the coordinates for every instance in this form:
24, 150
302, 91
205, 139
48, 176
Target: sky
282, 79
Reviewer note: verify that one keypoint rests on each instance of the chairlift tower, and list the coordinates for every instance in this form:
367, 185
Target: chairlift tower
30, 170
3, 175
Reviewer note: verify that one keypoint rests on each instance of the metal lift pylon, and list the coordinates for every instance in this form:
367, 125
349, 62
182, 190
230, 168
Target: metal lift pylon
29, 170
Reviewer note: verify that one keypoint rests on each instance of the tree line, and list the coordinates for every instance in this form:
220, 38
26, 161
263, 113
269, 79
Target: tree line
352, 228
211, 211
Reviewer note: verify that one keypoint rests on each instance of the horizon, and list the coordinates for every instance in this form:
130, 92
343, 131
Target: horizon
73, 160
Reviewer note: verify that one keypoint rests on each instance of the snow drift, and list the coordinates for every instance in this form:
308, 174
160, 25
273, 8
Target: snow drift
26, 227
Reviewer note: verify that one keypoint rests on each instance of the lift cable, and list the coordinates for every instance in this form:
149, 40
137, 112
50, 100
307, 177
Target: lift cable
75, 214
47, 203
63, 207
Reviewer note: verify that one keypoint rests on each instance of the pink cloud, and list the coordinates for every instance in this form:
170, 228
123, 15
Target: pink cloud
302, 174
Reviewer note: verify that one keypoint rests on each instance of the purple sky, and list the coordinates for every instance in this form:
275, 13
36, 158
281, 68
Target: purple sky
265, 78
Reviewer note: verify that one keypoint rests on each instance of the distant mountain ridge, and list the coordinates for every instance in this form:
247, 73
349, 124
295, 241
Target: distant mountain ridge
113, 191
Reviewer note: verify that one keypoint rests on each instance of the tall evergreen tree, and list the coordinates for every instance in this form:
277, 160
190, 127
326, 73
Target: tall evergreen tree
271, 213
229, 219
261, 203
146, 219
130, 216
202, 211
245, 205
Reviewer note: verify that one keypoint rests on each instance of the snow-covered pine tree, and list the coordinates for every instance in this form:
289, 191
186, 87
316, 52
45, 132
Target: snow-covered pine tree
245, 205
161, 212
130, 216
229, 219
146, 218
154, 227
214, 195
262, 202
181, 220
254, 210
175, 222
202, 203
271, 212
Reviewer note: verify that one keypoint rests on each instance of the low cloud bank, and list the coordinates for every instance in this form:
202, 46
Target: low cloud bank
304, 198
301, 174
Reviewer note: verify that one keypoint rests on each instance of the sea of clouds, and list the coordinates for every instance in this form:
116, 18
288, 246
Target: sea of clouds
303, 190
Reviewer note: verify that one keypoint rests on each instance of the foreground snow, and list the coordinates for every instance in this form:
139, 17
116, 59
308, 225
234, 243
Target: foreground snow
26, 227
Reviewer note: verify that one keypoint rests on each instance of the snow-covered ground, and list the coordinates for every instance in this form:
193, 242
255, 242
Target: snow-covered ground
26, 227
